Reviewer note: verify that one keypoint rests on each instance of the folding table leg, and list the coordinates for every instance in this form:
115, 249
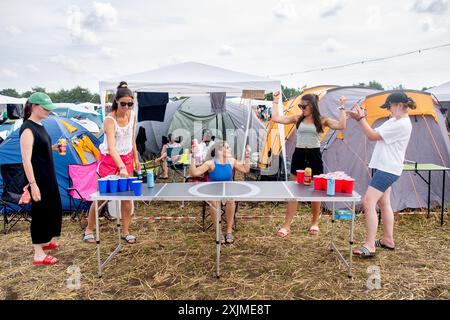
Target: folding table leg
352, 230
97, 231
218, 228
443, 195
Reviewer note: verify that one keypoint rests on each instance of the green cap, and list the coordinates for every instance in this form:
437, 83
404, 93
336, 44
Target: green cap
41, 99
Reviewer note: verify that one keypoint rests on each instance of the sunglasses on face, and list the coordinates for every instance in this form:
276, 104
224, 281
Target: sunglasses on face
303, 106
124, 104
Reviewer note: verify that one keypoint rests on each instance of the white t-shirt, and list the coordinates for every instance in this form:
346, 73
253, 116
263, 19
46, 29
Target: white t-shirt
389, 153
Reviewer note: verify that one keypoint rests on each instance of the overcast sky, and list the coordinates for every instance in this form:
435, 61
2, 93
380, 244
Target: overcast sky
64, 43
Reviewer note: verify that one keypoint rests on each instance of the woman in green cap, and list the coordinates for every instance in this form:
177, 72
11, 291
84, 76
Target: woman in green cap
37, 158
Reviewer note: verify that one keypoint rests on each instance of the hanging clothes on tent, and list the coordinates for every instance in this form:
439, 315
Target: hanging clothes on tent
152, 106
141, 138
84, 146
218, 102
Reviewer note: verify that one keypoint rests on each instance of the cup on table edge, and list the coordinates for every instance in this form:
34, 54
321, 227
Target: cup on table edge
137, 187
129, 181
113, 184
123, 184
300, 176
103, 185
349, 184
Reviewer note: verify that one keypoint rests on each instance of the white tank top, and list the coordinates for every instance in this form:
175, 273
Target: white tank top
123, 135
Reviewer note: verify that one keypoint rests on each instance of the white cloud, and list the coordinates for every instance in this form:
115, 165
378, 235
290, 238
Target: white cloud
84, 25
284, 10
331, 45
68, 63
13, 30
9, 73
331, 8
431, 6
32, 68
226, 50
429, 24
109, 53
373, 18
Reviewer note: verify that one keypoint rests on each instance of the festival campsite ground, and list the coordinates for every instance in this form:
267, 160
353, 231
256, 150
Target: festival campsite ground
173, 259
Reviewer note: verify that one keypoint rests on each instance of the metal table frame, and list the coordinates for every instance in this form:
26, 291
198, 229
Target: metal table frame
316, 196
413, 167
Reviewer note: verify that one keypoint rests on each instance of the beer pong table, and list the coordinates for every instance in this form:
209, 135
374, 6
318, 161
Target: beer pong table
251, 191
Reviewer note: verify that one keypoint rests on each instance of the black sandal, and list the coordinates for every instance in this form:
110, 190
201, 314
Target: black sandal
378, 244
364, 253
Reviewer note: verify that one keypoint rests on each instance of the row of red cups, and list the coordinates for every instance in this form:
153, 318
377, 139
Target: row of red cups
342, 182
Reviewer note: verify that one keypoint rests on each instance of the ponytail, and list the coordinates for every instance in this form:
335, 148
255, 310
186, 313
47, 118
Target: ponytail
411, 104
27, 110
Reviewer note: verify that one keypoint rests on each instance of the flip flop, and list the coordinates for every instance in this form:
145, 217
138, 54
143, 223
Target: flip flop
51, 246
48, 260
130, 239
87, 237
364, 253
229, 238
283, 232
378, 244
314, 230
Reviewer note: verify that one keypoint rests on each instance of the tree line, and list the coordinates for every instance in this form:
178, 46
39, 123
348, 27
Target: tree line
77, 94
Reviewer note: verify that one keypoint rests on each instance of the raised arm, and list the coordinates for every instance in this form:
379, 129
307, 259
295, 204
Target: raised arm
245, 166
276, 117
342, 122
360, 117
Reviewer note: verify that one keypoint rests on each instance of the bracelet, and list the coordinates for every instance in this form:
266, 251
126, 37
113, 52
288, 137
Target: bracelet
359, 119
122, 167
32, 182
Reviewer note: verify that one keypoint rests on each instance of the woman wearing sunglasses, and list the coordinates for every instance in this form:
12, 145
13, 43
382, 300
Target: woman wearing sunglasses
310, 125
118, 154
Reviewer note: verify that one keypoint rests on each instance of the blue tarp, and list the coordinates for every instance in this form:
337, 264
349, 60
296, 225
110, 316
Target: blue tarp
10, 151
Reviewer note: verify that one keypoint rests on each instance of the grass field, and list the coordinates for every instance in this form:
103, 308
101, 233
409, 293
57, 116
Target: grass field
174, 259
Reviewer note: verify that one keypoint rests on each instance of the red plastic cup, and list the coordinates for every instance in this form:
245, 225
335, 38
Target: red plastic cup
339, 184
349, 184
317, 182
300, 176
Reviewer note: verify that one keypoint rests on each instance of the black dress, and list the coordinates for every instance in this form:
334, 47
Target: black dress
46, 215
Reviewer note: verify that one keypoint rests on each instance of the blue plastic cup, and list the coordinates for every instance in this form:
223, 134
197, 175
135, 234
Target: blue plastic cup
137, 187
130, 180
123, 184
103, 186
113, 184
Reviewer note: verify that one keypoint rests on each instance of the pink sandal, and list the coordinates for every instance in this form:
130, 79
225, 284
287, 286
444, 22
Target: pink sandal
283, 232
48, 260
51, 246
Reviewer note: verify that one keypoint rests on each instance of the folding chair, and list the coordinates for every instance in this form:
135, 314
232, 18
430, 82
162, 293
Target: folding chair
173, 163
13, 183
83, 183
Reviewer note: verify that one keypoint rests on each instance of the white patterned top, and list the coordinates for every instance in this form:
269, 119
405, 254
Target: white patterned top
124, 137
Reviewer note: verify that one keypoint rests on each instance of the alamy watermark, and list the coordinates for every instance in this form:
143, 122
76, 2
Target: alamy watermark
74, 281
374, 280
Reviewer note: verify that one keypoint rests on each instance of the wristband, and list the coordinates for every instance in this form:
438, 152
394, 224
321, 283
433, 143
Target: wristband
122, 167
359, 119
32, 182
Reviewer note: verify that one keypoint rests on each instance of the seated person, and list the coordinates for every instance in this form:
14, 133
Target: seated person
220, 168
206, 139
170, 143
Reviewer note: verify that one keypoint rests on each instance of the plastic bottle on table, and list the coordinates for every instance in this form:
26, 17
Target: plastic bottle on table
150, 179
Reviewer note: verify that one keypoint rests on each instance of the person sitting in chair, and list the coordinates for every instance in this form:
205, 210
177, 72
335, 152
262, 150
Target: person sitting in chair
221, 168
170, 143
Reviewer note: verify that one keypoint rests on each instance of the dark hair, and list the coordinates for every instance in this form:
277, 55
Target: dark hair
410, 104
122, 91
314, 103
218, 145
27, 110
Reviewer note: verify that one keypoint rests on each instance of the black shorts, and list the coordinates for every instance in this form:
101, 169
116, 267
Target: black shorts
304, 158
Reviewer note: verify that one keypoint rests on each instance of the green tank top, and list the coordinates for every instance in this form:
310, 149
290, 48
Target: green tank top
307, 136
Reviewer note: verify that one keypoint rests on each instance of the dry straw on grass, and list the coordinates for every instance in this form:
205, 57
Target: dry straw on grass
173, 259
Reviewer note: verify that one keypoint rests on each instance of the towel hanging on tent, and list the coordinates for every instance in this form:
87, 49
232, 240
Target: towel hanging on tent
218, 102
68, 126
152, 106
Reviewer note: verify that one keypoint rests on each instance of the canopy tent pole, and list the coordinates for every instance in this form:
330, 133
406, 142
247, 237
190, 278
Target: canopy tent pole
248, 104
281, 134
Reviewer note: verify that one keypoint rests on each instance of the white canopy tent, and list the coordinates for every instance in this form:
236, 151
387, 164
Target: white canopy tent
442, 92
192, 78
12, 100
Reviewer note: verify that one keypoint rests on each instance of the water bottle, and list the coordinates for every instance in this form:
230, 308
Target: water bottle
150, 179
330, 186
139, 174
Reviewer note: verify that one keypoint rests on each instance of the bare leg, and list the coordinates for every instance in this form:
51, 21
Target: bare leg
126, 216
369, 203
39, 254
387, 214
91, 218
229, 212
291, 210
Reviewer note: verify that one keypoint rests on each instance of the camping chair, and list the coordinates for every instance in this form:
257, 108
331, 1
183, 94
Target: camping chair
83, 183
13, 183
205, 205
173, 163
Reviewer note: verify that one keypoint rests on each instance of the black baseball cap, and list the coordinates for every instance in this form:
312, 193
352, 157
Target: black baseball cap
395, 97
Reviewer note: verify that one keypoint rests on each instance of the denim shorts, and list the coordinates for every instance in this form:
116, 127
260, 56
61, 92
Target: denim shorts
382, 180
